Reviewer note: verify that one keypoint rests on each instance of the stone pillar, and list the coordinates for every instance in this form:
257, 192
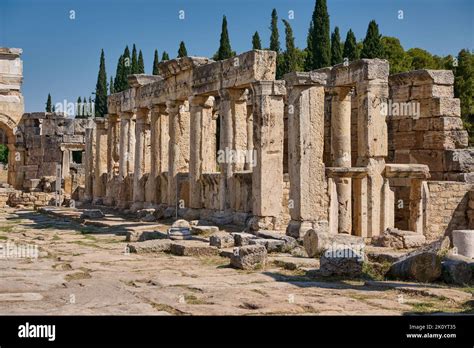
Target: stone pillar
415, 222
341, 154
152, 183
372, 148
66, 162
127, 144
267, 176
178, 161
248, 165
113, 139
233, 110
200, 117
163, 140
141, 130
100, 160
308, 186
89, 160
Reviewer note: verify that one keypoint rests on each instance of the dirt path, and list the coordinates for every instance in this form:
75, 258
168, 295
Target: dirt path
84, 270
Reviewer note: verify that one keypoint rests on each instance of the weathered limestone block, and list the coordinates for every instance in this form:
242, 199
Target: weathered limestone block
221, 240
422, 266
398, 239
459, 160
241, 239
456, 270
249, 257
341, 261
202, 229
141, 236
92, 214
463, 241
150, 246
316, 242
432, 107
289, 243
193, 248
272, 245
445, 139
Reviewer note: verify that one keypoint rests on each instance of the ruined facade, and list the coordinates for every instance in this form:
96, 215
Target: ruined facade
226, 142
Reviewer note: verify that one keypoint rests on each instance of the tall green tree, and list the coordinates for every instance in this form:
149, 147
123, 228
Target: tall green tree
464, 89
101, 89
156, 71
182, 51
225, 50
48, 104
141, 63
396, 55
308, 63
256, 43
290, 55
127, 68
134, 60
79, 108
336, 47
118, 75
373, 47
165, 56
350, 46
274, 37
421, 59
321, 43
111, 85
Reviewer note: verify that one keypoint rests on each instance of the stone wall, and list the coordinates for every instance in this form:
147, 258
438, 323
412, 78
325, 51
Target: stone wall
446, 207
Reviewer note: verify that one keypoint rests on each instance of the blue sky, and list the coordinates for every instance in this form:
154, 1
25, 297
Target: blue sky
61, 56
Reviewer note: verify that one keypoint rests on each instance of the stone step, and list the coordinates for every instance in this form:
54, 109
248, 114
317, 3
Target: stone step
193, 248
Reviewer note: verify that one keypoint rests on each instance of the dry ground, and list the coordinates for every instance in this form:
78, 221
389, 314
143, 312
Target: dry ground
85, 270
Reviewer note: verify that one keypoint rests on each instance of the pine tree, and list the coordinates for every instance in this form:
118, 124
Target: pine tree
165, 56
101, 89
141, 63
308, 63
182, 52
225, 50
156, 71
256, 43
48, 104
321, 50
134, 60
373, 47
350, 46
336, 47
79, 108
118, 74
290, 55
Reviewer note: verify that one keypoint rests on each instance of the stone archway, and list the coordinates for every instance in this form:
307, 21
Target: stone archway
15, 157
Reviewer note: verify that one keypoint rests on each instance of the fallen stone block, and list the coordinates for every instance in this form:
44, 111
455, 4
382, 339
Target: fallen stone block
289, 242
463, 241
199, 230
249, 257
272, 245
294, 263
148, 218
423, 266
193, 248
141, 236
242, 238
341, 262
150, 246
221, 240
92, 214
399, 239
316, 242
456, 270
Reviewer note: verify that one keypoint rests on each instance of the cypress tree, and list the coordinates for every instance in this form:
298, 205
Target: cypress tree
79, 108
308, 63
321, 53
336, 47
101, 89
350, 46
48, 103
134, 60
165, 56
118, 74
225, 51
182, 52
372, 46
274, 37
290, 58
156, 71
141, 64
127, 69
111, 85
256, 43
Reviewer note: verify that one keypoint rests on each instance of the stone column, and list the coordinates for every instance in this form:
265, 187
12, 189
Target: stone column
125, 130
200, 117
233, 111
112, 144
178, 161
163, 140
152, 183
308, 185
415, 222
372, 148
142, 127
341, 154
89, 160
100, 160
267, 176
248, 165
